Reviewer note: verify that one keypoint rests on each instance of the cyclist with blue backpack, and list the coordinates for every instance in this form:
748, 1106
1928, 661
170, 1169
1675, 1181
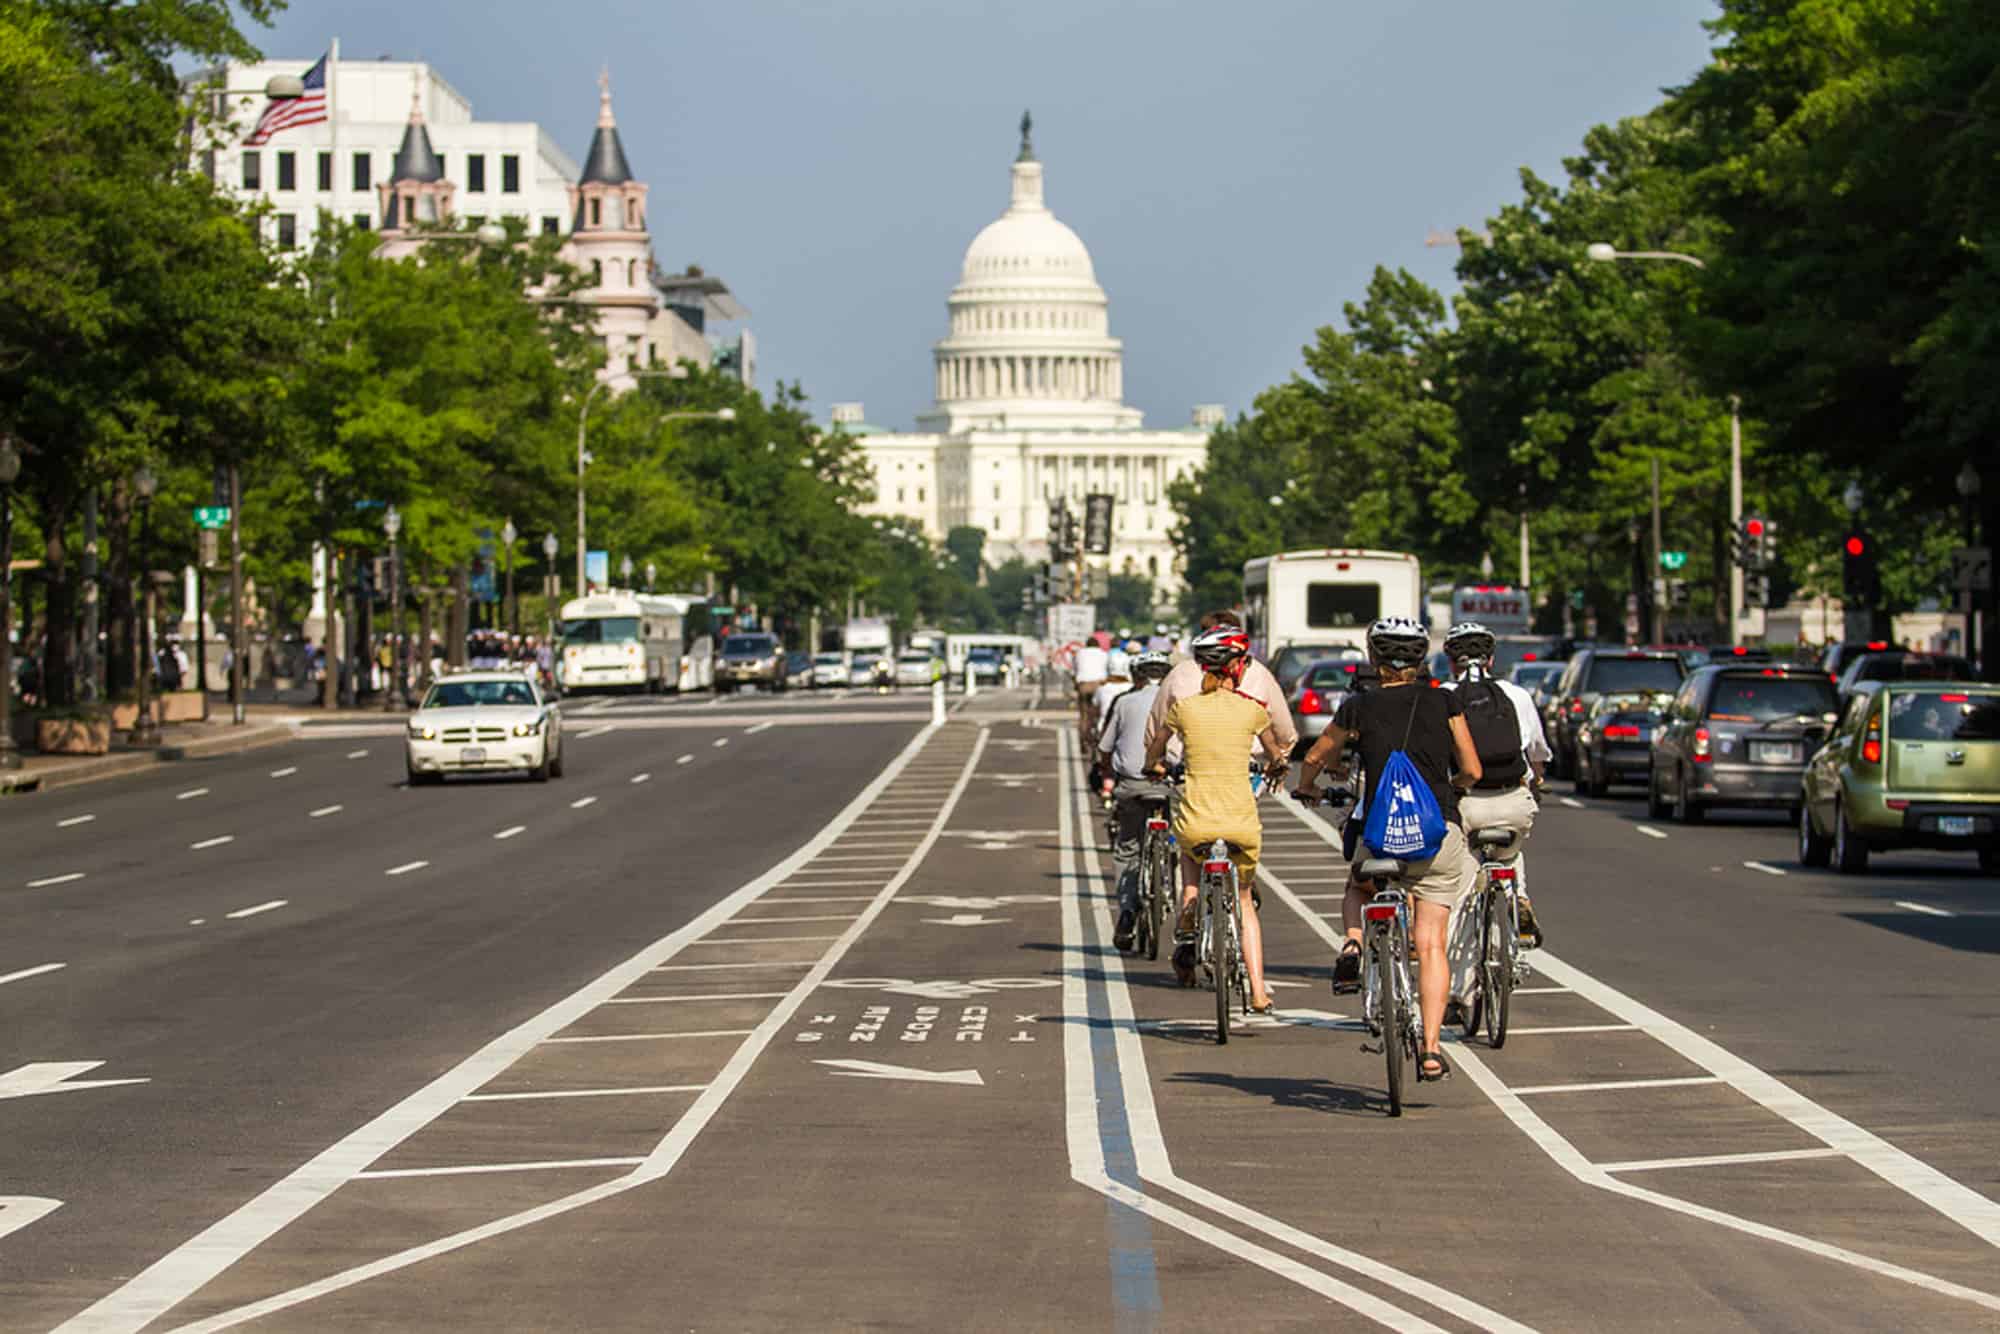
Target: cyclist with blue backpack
1418, 755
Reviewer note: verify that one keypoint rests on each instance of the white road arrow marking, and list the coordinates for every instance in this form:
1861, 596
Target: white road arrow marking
967, 919
54, 1077
17, 1211
877, 1070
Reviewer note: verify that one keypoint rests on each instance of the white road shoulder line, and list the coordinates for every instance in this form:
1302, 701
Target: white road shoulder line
585, 1093
510, 831
406, 868
74, 820
1609, 1085
256, 908
1924, 908
26, 973
215, 842
325, 811
48, 880
1649, 831
1715, 1159
470, 1169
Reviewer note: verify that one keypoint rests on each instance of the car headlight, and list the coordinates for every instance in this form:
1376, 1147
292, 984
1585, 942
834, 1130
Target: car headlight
528, 729
423, 732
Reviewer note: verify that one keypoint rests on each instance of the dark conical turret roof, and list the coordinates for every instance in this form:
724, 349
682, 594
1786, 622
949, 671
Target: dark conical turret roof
606, 164
416, 160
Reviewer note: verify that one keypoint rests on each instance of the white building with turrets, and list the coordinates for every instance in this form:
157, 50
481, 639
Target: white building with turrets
1028, 388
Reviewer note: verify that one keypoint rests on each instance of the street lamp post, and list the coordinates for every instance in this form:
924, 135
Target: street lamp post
508, 532
551, 583
651, 572
1967, 484
10, 468
1602, 252
392, 689
583, 455
145, 729
625, 569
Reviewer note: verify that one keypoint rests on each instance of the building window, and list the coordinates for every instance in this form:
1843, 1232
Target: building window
475, 172
899, 495
252, 170
362, 222
920, 495
551, 225
361, 176
288, 171
326, 172
288, 230
597, 271
510, 174
996, 490
596, 212
441, 164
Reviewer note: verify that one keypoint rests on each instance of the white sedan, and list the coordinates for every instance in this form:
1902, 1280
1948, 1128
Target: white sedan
484, 723
829, 669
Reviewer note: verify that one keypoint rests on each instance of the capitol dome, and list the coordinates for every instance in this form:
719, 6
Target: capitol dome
1030, 341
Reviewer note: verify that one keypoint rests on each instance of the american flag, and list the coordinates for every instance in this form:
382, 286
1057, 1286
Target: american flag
284, 115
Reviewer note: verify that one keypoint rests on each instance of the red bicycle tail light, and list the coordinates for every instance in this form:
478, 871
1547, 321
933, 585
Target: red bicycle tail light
1504, 874
1576, 706
1379, 912
1739, 650
1215, 868
1877, 645
1701, 745
1156, 824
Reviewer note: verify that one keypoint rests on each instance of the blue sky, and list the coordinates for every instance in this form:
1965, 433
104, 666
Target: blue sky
1236, 170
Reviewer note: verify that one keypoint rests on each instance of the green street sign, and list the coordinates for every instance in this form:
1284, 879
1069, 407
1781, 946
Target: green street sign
211, 516
1576, 599
1673, 560
722, 610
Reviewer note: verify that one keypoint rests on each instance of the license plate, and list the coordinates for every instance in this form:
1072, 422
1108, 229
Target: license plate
1773, 752
472, 755
1956, 825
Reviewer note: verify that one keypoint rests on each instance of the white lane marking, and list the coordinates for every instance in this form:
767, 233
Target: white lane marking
17, 1211
879, 1070
1649, 831
172, 1278
1086, 1151
1764, 867
581, 802
357, 754
1723, 1063
640, 778
74, 820
824, 898
595, 731
470, 1169
712, 967
721, 741
760, 727
1924, 908
1322, 898
256, 908
824, 917
215, 842
1608, 1085
25, 1081
706, 996
763, 940
1574, 1028
1963, 1205
1541, 991
48, 880
510, 831
191, 793
584, 1093
25, 973
1715, 1159
658, 1037
197, 921
406, 868
285, 772
1572, 803
685, 759
325, 811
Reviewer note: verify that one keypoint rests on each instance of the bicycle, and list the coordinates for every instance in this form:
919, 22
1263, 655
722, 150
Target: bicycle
1389, 1000
1159, 863
1501, 965
1221, 941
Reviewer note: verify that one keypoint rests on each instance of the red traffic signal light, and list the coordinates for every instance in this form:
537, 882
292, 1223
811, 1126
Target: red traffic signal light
1753, 527
1856, 545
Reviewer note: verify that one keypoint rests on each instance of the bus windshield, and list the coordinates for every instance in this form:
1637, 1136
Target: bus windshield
601, 630
1339, 606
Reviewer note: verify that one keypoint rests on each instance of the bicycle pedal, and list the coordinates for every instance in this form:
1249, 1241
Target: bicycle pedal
1371, 1050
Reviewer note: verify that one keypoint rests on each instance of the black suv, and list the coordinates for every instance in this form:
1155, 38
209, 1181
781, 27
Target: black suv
1738, 736
1603, 671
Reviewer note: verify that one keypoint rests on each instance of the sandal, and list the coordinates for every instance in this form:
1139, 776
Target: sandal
1347, 969
1425, 1061
1268, 1007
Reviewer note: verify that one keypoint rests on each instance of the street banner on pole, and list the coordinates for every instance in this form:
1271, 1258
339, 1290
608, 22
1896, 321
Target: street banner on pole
597, 569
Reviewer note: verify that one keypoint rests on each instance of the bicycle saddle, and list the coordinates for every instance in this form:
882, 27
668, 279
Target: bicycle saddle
1376, 868
1492, 838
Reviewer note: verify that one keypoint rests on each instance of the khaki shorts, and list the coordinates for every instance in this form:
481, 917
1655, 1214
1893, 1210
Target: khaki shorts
1445, 878
1512, 810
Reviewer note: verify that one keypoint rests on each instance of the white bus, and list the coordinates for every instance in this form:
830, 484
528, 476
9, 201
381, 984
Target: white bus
1307, 601
634, 641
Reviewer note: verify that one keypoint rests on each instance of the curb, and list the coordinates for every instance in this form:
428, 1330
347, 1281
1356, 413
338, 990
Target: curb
113, 766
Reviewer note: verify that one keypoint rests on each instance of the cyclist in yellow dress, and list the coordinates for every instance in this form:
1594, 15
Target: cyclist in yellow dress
1217, 728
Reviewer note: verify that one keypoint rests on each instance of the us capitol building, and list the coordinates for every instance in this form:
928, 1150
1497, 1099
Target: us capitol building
1029, 405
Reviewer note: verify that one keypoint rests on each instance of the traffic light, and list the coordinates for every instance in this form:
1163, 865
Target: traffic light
1767, 544
1678, 593
1750, 543
1058, 530
1756, 589
1858, 576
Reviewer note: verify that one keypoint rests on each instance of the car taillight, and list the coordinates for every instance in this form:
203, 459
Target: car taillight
1379, 912
1621, 732
1701, 745
1877, 645
1310, 702
1896, 803
1576, 706
1955, 699
1871, 751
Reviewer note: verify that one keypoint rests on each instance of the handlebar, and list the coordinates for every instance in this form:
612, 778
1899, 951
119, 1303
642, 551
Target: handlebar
1334, 796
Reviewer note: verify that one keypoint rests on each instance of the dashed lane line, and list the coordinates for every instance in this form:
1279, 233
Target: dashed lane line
764, 726
285, 772
215, 842
595, 731
1649, 831
406, 868
586, 1093
685, 759
720, 742
357, 754
1716, 1159
49, 880
255, 909
74, 821
656, 1037
1612, 1085
1925, 909
325, 811
191, 794
26, 973
581, 802
640, 778
510, 831
1765, 867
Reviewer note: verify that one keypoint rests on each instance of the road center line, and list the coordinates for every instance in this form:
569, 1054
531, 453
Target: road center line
215, 842
325, 811
1924, 908
254, 909
48, 880
74, 820
26, 973
1649, 831
406, 868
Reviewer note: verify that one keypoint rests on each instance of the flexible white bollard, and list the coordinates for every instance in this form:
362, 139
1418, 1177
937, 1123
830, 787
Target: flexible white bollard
971, 681
937, 701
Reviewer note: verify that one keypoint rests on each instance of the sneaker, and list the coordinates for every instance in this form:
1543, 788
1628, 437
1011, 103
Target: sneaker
1347, 973
1531, 930
1122, 935
1184, 964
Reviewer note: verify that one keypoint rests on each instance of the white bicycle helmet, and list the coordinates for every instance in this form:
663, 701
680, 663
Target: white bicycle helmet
1398, 641
1468, 640
1118, 663
1151, 665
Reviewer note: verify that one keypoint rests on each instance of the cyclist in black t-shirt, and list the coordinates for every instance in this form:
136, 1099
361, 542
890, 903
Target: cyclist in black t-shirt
1406, 714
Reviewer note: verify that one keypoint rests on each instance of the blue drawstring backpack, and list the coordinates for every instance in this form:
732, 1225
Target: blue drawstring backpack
1404, 821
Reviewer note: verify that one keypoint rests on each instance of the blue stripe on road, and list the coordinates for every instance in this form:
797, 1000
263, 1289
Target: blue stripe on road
1135, 1289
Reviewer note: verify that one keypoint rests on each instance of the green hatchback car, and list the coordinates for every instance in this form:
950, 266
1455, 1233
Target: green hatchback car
1912, 764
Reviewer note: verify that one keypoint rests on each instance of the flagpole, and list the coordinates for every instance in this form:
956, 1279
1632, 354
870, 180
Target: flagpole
333, 123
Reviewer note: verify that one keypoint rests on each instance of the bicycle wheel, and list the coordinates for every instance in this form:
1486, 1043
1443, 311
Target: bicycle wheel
1159, 858
1496, 973
1394, 1044
1469, 1015
1218, 963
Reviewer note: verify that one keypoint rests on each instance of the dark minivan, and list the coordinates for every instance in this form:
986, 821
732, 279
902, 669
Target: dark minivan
1739, 736
1603, 671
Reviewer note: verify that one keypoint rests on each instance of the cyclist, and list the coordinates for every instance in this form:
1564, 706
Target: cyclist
1121, 747
1401, 713
1090, 667
1254, 680
1117, 680
1513, 752
1218, 727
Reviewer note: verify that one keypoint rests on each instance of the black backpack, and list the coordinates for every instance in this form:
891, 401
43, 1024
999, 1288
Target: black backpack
1496, 733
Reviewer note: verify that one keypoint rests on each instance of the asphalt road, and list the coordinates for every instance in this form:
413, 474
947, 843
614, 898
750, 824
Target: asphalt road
821, 1028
